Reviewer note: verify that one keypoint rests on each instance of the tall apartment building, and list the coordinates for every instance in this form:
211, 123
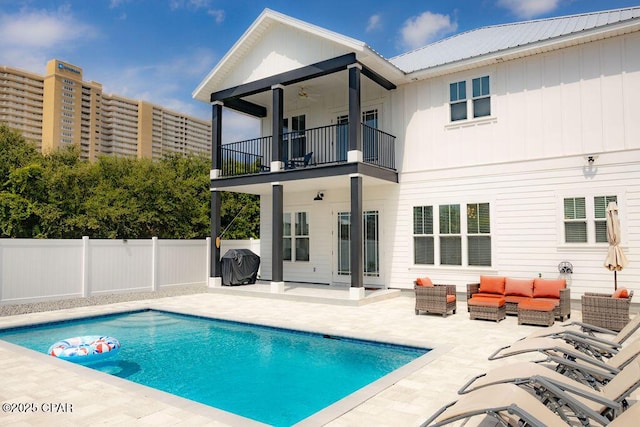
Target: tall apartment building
60, 109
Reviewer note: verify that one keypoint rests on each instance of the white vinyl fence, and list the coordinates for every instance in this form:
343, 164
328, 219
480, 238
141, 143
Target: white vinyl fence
34, 270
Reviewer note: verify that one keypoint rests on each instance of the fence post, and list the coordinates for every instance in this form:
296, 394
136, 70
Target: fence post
86, 285
154, 264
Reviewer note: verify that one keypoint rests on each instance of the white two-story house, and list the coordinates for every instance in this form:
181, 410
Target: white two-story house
494, 151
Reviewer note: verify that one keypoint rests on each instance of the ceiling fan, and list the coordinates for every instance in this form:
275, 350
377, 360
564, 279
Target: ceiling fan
304, 93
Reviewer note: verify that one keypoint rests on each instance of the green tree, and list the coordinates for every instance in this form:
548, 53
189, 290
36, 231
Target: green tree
62, 196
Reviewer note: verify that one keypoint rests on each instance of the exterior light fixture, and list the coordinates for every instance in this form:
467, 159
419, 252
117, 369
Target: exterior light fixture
319, 196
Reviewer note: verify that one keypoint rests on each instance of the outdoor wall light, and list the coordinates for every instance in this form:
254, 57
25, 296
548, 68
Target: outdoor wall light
591, 159
319, 196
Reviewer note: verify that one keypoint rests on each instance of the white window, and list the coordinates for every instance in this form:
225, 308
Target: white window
463, 240
585, 219
461, 107
423, 235
458, 100
481, 97
295, 245
478, 234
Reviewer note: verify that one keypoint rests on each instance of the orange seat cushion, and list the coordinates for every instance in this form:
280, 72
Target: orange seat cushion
492, 284
554, 301
546, 288
518, 287
451, 298
485, 295
621, 293
515, 299
486, 302
424, 281
536, 305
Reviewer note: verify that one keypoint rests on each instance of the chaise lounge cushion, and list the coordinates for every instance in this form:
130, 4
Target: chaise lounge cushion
492, 285
424, 281
519, 287
546, 288
621, 293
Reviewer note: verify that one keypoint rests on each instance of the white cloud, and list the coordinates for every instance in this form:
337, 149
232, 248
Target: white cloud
29, 36
528, 9
218, 15
419, 30
375, 22
162, 83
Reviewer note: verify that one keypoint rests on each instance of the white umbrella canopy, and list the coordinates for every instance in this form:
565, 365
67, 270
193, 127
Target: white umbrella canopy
616, 260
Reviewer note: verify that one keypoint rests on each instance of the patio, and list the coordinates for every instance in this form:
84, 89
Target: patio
461, 349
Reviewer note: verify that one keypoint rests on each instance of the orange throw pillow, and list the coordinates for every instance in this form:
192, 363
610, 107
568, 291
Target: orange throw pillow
519, 287
547, 288
621, 293
424, 281
492, 284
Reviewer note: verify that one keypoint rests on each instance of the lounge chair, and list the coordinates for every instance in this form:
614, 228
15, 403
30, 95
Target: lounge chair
582, 329
510, 405
568, 360
567, 397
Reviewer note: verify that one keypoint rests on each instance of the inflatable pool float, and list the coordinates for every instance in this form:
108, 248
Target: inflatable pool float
85, 349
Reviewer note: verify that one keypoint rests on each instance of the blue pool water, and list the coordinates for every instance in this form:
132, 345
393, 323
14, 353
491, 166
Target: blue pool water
271, 375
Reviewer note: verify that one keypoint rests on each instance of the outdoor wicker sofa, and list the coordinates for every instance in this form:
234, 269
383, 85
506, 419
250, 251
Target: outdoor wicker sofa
515, 291
432, 298
609, 311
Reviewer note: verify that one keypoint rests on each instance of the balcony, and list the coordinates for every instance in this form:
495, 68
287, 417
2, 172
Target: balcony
315, 147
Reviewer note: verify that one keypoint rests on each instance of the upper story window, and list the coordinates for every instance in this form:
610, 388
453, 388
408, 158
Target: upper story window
480, 105
458, 99
481, 98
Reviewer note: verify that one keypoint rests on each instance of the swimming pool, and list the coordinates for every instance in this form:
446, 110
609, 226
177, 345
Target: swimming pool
271, 375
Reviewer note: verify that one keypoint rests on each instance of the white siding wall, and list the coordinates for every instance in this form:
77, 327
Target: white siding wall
527, 215
569, 102
322, 231
548, 112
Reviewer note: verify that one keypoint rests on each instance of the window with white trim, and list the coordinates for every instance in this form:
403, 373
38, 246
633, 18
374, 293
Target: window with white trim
423, 235
458, 100
295, 236
585, 219
480, 105
463, 240
481, 97
479, 234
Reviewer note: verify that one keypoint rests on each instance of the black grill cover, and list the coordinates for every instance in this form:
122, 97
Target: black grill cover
239, 267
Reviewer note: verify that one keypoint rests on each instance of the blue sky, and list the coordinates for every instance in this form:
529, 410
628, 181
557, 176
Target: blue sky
160, 50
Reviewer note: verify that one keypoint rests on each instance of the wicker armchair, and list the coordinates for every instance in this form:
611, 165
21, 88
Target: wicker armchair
440, 299
605, 311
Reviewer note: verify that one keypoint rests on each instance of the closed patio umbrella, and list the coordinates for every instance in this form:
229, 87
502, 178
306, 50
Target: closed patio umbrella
616, 260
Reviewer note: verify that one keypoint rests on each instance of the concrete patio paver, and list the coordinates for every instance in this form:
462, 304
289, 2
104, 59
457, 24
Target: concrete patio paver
462, 346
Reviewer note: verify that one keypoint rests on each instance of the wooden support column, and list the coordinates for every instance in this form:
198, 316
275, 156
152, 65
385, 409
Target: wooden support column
355, 115
277, 279
215, 274
357, 246
277, 124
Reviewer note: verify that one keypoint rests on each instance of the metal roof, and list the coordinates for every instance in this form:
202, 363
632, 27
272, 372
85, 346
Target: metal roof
498, 38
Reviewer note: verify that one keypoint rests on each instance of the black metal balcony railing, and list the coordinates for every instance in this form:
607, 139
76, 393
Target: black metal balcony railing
312, 147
